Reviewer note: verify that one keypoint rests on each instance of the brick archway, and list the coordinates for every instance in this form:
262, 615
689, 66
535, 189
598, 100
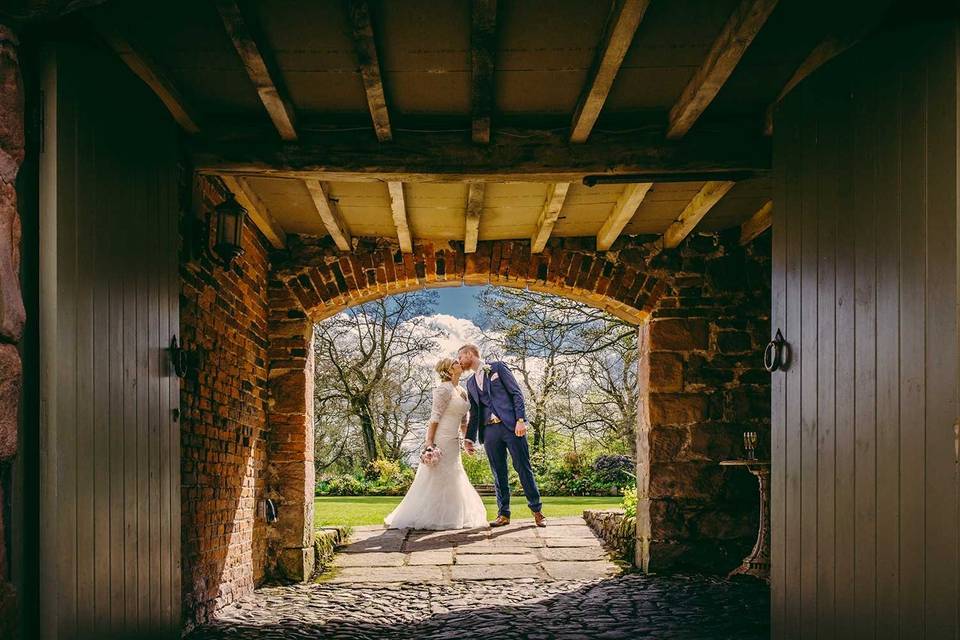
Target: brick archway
321, 281
702, 314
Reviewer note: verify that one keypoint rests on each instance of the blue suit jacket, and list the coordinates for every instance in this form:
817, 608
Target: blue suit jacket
501, 395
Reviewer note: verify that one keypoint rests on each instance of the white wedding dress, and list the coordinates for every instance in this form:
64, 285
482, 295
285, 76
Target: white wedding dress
441, 496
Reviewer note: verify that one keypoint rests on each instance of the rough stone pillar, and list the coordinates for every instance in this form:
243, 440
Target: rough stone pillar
12, 313
290, 459
702, 385
642, 547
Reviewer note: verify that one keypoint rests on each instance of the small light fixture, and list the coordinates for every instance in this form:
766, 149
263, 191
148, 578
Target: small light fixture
230, 216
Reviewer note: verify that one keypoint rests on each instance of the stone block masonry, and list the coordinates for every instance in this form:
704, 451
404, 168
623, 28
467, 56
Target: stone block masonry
704, 386
12, 314
224, 421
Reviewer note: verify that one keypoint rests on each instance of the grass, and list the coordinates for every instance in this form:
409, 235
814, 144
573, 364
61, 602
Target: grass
361, 510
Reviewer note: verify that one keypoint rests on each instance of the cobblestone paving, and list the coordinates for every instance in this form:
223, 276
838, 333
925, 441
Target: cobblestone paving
516, 582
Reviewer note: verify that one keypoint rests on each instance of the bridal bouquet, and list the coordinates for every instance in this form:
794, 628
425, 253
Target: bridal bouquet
431, 455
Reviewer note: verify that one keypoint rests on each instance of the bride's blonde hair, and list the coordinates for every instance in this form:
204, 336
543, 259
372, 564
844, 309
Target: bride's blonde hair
444, 365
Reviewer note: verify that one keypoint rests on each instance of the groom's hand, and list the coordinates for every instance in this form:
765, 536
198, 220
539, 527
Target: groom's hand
468, 447
521, 428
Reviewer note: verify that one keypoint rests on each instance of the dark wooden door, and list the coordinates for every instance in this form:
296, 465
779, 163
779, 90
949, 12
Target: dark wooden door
864, 442
109, 300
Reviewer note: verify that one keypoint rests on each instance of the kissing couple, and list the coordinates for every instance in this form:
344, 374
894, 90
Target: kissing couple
489, 412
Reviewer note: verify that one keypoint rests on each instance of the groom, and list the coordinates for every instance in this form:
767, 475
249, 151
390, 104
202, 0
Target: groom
498, 422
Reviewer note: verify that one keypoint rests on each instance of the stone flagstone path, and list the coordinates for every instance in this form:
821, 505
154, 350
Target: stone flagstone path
513, 582
565, 550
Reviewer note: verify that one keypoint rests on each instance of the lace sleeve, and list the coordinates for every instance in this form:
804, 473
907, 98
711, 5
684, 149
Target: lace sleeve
441, 398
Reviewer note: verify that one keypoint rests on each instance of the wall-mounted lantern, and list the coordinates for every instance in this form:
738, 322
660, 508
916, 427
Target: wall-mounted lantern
230, 216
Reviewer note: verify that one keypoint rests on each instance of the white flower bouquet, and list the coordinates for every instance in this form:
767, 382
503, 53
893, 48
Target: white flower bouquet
431, 455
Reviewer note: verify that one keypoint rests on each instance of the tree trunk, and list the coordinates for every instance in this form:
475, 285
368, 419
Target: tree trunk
371, 446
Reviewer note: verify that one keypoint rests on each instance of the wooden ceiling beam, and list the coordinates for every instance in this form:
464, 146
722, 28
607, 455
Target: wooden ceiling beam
365, 47
398, 208
709, 195
556, 194
273, 97
475, 194
148, 71
256, 209
727, 50
483, 53
757, 224
621, 25
623, 212
818, 56
332, 220
537, 156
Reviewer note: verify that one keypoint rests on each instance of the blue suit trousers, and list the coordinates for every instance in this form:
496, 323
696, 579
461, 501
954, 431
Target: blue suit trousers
498, 439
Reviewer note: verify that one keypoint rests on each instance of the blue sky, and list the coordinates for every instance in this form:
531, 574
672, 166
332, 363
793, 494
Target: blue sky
458, 302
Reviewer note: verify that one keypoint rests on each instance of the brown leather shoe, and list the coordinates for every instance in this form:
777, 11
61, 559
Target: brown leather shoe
539, 519
500, 521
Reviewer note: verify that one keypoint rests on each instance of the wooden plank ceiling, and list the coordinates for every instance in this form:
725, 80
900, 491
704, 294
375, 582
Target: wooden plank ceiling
470, 120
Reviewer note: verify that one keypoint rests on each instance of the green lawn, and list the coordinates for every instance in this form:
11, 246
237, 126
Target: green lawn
360, 510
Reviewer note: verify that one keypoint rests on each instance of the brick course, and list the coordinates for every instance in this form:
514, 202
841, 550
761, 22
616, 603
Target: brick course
320, 282
223, 424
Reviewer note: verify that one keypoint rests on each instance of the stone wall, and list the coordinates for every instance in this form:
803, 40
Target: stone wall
12, 314
292, 483
224, 420
706, 385
618, 537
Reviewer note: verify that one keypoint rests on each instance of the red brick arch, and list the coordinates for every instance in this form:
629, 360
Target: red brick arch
323, 281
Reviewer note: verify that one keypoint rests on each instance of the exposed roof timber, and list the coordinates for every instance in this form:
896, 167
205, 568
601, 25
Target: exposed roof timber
475, 194
330, 216
622, 23
148, 71
256, 209
553, 203
534, 157
727, 50
398, 207
251, 52
818, 56
483, 49
757, 224
366, 49
709, 195
623, 212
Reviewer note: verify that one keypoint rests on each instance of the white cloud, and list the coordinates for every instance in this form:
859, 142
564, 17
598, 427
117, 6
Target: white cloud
457, 332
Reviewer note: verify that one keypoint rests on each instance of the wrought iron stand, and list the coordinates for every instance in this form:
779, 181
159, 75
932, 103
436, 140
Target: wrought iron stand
757, 564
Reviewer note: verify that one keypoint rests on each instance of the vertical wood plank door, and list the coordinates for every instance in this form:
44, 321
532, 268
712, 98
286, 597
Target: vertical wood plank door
110, 542
865, 497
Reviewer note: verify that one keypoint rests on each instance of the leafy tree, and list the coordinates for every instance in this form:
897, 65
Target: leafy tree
577, 363
368, 388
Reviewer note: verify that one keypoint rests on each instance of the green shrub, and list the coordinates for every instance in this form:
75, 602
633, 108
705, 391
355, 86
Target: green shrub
340, 485
630, 501
477, 468
379, 478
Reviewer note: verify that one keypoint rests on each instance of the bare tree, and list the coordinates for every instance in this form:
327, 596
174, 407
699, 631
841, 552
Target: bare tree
365, 369
577, 363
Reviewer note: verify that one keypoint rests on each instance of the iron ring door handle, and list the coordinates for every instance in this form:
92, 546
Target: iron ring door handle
774, 355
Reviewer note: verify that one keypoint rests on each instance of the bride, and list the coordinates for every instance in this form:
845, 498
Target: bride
441, 496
